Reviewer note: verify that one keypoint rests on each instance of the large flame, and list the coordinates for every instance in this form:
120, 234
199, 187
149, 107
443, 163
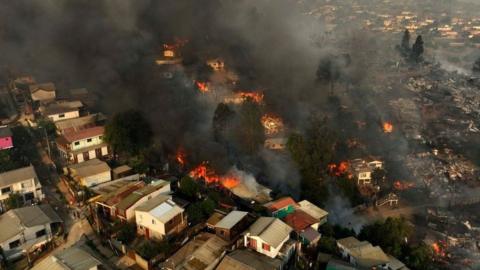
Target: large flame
339, 169
439, 249
203, 171
387, 127
272, 124
202, 86
180, 157
255, 96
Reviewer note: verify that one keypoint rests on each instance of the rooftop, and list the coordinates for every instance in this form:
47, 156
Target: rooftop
119, 191
231, 219
365, 254
83, 134
271, 230
312, 209
61, 107
214, 219
76, 124
5, 131
280, 204
300, 220
161, 207
18, 175
245, 259
49, 86
205, 255
89, 168
15, 221
72, 258
135, 196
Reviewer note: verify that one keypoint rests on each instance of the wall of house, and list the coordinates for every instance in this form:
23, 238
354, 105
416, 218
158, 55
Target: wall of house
23, 187
87, 142
67, 115
28, 239
146, 221
130, 213
273, 251
96, 179
6, 143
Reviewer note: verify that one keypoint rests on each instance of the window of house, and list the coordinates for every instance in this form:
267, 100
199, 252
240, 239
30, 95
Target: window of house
6, 190
40, 233
89, 140
153, 221
77, 143
29, 196
100, 137
26, 184
61, 115
266, 247
14, 244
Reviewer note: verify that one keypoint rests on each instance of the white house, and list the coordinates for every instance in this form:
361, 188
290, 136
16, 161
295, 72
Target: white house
27, 228
362, 254
23, 181
125, 209
159, 217
362, 169
90, 173
62, 110
77, 147
267, 236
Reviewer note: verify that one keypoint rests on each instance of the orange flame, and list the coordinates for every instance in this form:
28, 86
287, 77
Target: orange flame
203, 171
181, 157
398, 185
439, 249
272, 124
387, 127
202, 86
340, 169
255, 96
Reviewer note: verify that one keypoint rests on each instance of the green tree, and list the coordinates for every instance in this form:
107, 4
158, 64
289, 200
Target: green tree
150, 249
128, 132
208, 206
327, 244
195, 213
189, 187
419, 257
126, 232
417, 49
250, 131
48, 127
14, 200
390, 234
6, 161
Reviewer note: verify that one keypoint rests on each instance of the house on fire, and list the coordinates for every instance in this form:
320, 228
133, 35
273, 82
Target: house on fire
267, 236
24, 229
23, 181
362, 169
77, 147
160, 217
6, 138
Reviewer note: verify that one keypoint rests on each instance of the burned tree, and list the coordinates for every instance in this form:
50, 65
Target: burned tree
476, 66
222, 120
405, 45
417, 49
328, 71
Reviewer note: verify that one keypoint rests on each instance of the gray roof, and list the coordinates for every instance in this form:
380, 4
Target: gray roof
245, 259
231, 219
161, 207
73, 258
90, 167
271, 230
49, 86
205, 255
18, 175
15, 221
5, 132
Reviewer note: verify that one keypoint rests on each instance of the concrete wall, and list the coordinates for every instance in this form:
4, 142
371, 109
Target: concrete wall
96, 179
67, 115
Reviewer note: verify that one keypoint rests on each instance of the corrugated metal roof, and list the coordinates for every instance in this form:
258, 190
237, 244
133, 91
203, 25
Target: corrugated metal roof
138, 194
84, 134
312, 209
245, 259
231, 219
161, 207
206, 254
73, 258
280, 204
271, 230
18, 175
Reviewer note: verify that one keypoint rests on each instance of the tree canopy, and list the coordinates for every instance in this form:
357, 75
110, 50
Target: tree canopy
417, 49
250, 131
189, 187
405, 45
129, 132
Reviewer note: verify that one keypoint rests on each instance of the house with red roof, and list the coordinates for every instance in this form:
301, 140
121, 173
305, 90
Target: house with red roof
281, 208
83, 145
6, 138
